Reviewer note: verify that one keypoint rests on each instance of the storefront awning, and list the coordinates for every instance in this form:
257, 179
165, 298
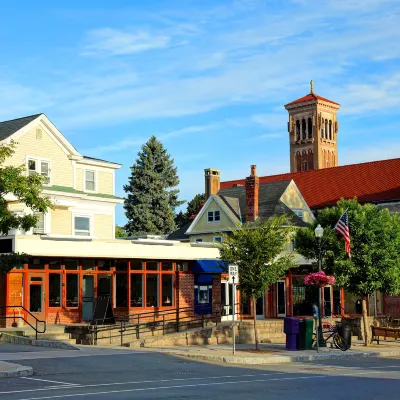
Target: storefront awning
209, 267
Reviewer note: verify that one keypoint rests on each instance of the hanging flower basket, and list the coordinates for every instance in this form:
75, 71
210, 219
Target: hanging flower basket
319, 279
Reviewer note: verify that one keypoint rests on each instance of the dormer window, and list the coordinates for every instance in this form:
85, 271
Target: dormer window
90, 180
41, 167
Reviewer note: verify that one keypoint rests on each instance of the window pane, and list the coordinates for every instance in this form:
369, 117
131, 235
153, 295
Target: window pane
89, 186
39, 228
167, 266
216, 215
82, 223
89, 176
87, 264
167, 290
121, 265
71, 264
35, 298
104, 265
121, 290
31, 165
54, 290
104, 285
218, 239
36, 263
72, 290
151, 290
182, 266
152, 266
55, 264
136, 265
210, 216
136, 290
44, 168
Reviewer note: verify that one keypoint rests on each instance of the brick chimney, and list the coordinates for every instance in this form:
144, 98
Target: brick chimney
212, 181
252, 185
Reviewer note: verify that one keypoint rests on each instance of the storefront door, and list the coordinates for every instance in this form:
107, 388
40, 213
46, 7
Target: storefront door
37, 297
327, 301
87, 297
260, 308
226, 301
281, 298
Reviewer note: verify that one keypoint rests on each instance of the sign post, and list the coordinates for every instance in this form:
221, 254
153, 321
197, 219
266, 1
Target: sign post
233, 279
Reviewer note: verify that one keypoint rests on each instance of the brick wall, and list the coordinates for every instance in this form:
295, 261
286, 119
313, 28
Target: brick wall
216, 292
63, 317
392, 306
185, 289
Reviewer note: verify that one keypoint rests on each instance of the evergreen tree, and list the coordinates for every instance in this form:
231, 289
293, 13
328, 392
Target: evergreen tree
192, 208
152, 194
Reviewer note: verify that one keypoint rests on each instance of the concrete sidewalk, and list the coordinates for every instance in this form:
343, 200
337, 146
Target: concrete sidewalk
276, 353
9, 370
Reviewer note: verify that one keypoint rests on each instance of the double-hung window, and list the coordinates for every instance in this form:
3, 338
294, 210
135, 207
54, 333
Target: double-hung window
213, 216
39, 228
299, 213
41, 167
90, 180
82, 225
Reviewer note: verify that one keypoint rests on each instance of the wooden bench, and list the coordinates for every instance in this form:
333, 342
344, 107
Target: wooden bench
385, 332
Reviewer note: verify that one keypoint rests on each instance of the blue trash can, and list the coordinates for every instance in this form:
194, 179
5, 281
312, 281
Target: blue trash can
291, 329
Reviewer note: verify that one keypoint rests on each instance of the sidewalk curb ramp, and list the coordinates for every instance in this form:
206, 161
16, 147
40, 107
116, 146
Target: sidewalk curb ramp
283, 359
9, 370
13, 339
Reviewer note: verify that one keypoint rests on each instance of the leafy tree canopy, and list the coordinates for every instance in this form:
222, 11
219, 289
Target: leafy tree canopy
24, 189
152, 194
120, 232
375, 243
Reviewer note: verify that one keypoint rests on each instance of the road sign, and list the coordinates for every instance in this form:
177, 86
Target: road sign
233, 274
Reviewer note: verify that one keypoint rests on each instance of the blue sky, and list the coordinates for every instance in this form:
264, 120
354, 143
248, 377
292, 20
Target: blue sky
209, 78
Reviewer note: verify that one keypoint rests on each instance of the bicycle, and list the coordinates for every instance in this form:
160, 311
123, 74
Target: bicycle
337, 340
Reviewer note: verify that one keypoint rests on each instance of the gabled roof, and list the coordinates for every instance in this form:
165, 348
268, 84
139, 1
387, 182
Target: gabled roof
179, 234
269, 202
8, 128
311, 97
375, 181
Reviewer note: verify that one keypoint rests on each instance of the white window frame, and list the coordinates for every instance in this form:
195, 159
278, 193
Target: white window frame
46, 224
37, 231
213, 216
95, 180
90, 224
215, 239
38, 167
298, 211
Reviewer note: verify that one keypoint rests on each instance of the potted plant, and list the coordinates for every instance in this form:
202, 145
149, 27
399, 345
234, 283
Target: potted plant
319, 279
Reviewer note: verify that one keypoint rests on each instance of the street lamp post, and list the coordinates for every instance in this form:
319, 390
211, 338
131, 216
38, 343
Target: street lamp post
319, 232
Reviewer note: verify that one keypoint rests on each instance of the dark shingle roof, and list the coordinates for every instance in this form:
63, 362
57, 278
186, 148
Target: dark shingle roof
7, 128
179, 234
269, 203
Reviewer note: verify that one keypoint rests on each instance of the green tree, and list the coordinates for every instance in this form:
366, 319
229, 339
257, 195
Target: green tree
375, 257
152, 194
193, 206
258, 250
27, 190
120, 232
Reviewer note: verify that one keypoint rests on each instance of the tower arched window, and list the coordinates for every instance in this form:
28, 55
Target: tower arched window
326, 129
304, 128
297, 130
309, 122
322, 129
330, 130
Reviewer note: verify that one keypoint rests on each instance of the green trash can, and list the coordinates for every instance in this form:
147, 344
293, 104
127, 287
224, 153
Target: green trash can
306, 327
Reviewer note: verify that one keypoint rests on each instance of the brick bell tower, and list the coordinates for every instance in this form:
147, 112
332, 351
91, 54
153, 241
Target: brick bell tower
313, 128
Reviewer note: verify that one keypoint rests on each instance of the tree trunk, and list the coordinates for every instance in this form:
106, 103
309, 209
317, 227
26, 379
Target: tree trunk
365, 320
255, 322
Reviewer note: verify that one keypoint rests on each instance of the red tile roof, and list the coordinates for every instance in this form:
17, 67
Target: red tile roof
311, 97
369, 182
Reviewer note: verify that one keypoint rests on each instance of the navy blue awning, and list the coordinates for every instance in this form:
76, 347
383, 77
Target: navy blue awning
209, 267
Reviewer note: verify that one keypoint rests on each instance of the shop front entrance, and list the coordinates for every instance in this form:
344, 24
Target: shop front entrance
226, 301
281, 298
37, 297
87, 297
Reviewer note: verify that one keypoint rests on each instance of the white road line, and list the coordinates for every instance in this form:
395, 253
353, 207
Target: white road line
46, 380
81, 386
170, 387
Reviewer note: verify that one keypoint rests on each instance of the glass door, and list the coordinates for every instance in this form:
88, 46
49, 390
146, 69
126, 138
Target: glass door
327, 301
37, 297
260, 308
281, 298
87, 297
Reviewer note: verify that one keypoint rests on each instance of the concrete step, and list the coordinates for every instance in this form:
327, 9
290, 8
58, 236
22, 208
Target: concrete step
51, 336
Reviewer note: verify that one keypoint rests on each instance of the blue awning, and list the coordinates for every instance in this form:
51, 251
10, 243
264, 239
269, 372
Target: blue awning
209, 267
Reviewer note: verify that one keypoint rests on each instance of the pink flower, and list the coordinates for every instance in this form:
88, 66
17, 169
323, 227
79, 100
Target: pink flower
319, 279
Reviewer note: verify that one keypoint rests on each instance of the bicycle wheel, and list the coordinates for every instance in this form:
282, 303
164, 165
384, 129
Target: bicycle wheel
339, 342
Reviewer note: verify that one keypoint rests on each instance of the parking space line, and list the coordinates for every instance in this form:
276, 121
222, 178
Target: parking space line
46, 380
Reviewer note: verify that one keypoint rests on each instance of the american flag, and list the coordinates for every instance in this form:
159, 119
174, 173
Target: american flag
342, 228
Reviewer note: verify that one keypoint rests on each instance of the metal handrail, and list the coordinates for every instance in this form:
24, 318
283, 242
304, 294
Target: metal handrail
157, 320
35, 328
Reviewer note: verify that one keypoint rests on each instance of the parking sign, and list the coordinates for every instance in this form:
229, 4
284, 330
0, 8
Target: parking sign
233, 274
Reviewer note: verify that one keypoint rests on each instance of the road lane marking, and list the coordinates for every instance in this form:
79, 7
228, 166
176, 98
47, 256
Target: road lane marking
171, 387
46, 380
82, 386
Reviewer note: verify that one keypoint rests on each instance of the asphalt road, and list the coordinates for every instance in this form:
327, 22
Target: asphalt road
123, 374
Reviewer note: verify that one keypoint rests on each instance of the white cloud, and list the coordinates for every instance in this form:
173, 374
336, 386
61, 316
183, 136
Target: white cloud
378, 151
116, 42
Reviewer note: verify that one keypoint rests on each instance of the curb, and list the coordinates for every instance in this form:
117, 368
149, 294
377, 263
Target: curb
285, 359
7, 338
15, 371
